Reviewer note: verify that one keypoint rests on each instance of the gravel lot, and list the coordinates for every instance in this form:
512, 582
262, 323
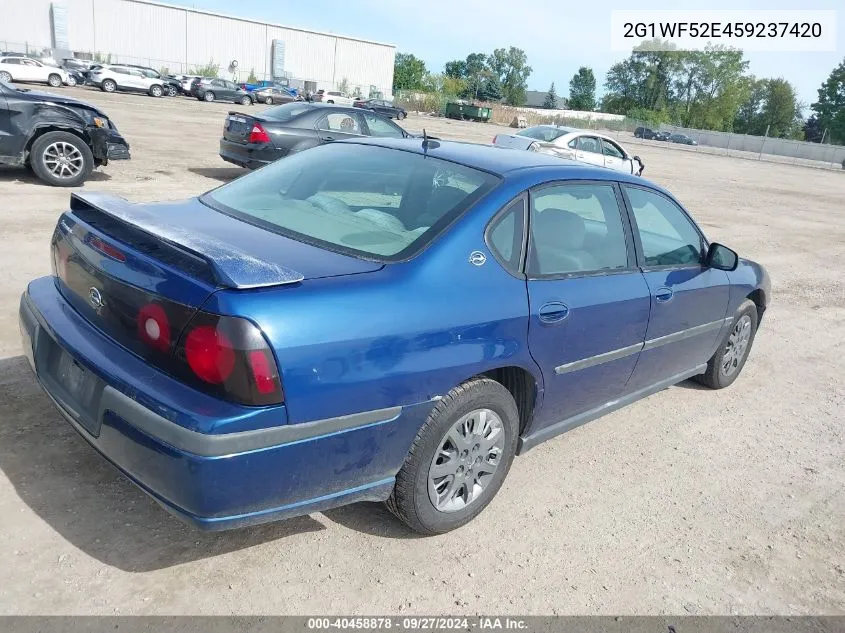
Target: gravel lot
690, 501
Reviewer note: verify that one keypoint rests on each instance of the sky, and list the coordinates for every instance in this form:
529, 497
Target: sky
557, 36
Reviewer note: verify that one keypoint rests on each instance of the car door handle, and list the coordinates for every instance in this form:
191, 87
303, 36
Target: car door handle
553, 312
327, 138
664, 294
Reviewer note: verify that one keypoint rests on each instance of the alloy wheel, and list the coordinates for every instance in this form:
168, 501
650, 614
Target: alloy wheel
63, 160
468, 456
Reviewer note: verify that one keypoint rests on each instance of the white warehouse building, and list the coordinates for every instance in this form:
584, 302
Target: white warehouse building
179, 39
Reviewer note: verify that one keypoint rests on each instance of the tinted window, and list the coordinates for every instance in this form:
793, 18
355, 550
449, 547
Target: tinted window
668, 236
589, 144
285, 112
382, 127
346, 122
505, 235
372, 200
576, 228
11, 61
610, 149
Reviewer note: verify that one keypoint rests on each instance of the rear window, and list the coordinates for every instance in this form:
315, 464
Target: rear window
285, 112
380, 203
546, 134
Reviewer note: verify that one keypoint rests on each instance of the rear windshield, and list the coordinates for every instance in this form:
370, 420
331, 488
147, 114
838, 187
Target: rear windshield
380, 203
547, 134
285, 112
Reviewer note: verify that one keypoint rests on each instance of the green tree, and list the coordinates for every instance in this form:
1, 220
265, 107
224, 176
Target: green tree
550, 101
813, 131
512, 69
252, 79
582, 90
408, 72
491, 88
830, 108
455, 69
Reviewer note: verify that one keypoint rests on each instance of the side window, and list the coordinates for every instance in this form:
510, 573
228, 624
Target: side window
611, 149
382, 127
119, 70
573, 144
217, 82
589, 144
504, 235
29, 62
341, 122
668, 236
576, 228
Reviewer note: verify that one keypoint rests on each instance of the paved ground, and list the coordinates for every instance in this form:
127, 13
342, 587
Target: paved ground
688, 502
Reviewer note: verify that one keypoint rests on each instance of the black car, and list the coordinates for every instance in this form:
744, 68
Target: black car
59, 138
206, 89
683, 139
254, 141
382, 107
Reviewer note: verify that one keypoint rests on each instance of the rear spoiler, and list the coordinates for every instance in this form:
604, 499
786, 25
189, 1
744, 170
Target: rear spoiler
230, 267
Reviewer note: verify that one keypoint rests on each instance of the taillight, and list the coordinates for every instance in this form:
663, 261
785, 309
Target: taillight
229, 357
258, 134
106, 249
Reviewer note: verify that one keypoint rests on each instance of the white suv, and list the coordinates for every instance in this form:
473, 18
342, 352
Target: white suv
116, 77
28, 69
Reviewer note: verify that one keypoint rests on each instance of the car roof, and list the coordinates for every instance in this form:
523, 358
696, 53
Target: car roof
497, 160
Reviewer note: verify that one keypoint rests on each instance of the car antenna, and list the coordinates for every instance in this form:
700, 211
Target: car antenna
428, 142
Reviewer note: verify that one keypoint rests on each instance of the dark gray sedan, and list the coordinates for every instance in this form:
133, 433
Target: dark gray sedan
254, 141
272, 96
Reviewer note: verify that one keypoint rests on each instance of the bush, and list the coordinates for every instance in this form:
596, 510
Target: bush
211, 69
252, 79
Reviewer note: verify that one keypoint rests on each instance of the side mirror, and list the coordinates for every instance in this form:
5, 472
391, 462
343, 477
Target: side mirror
721, 257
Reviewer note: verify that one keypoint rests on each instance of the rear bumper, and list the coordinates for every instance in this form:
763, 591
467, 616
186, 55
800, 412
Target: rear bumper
140, 421
249, 156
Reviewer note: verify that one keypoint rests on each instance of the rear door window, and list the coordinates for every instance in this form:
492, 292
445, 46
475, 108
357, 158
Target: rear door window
345, 122
381, 127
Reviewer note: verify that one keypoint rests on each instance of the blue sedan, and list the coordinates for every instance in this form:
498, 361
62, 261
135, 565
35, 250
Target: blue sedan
375, 320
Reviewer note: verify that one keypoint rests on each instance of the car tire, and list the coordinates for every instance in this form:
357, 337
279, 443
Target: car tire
172, 91
269, 100
727, 363
330, 101
400, 116
208, 96
108, 85
246, 100
5, 76
156, 90
71, 81
417, 483
52, 145
54, 80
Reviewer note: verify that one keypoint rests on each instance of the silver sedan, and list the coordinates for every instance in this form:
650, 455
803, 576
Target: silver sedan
582, 145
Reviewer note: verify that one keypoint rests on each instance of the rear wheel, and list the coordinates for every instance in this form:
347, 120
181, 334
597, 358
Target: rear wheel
5, 76
156, 90
459, 458
172, 91
108, 85
61, 159
71, 80
246, 100
269, 100
54, 80
400, 116
330, 101
727, 363
209, 96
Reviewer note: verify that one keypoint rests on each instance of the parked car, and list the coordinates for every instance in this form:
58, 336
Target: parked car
61, 139
220, 90
80, 65
186, 81
74, 78
172, 335
26, 69
254, 141
284, 87
382, 107
682, 139
171, 85
272, 95
652, 135
338, 98
583, 145
114, 77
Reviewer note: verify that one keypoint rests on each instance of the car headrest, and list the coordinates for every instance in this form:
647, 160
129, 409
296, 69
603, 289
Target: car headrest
565, 226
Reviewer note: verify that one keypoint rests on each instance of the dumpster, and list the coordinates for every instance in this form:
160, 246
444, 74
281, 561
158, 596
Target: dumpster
463, 111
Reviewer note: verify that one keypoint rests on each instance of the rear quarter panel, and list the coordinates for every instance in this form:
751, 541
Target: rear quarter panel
400, 336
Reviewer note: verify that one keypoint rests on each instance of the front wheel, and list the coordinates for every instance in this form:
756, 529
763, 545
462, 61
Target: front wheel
5, 76
71, 81
246, 101
459, 458
726, 364
108, 85
209, 96
269, 100
54, 80
172, 91
61, 159
400, 116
